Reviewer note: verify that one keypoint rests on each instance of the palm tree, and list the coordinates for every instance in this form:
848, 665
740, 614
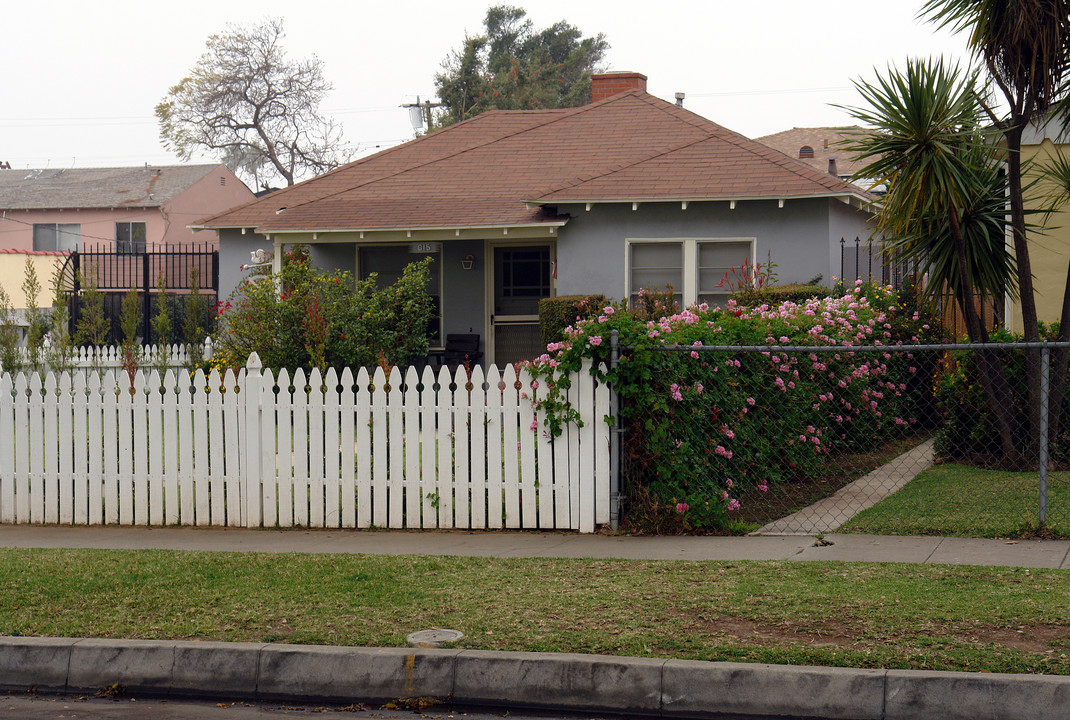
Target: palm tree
943, 204
1025, 47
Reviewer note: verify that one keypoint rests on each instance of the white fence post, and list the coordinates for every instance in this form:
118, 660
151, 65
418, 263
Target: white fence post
250, 392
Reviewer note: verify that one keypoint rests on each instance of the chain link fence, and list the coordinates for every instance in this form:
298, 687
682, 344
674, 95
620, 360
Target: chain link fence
810, 440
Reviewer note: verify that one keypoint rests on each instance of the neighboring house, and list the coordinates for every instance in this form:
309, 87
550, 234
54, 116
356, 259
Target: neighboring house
626, 192
119, 213
1049, 243
820, 148
128, 208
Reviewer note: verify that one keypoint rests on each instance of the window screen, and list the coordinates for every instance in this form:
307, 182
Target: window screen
656, 265
716, 260
52, 237
129, 238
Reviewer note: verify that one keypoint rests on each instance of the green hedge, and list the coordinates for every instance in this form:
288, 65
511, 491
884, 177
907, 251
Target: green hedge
558, 313
969, 435
779, 294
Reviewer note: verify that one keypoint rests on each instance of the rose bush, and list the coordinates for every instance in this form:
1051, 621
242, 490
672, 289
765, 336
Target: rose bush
703, 425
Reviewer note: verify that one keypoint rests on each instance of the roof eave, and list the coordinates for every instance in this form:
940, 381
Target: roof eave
503, 229
847, 197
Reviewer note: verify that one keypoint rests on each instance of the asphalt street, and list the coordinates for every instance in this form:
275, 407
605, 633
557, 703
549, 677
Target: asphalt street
71, 707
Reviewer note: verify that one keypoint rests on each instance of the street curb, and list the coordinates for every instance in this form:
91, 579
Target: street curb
535, 681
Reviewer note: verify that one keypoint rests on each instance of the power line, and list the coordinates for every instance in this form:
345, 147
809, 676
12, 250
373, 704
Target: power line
769, 92
15, 122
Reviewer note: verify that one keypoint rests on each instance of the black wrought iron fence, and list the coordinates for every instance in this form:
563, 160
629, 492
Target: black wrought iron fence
807, 440
115, 273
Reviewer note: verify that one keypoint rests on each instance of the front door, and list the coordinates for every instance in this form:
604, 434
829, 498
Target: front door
522, 277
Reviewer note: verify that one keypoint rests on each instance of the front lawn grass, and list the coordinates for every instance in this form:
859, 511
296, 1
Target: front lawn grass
966, 501
837, 614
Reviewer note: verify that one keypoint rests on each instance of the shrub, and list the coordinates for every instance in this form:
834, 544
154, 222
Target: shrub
93, 327
10, 355
557, 313
778, 294
36, 321
326, 318
704, 427
968, 434
194, 314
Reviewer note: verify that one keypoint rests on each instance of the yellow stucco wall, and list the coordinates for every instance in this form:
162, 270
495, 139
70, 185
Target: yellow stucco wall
1049, 248
13, 273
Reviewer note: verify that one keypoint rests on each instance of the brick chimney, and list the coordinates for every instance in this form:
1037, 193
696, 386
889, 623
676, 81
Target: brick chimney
609, 84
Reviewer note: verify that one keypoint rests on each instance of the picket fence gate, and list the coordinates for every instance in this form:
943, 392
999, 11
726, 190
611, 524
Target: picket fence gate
404, 450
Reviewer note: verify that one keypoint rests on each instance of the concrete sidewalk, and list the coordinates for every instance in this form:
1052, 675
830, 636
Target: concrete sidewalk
514, 544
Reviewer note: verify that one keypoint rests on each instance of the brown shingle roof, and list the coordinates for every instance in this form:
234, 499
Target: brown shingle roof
480, 172
824, 141
96, 187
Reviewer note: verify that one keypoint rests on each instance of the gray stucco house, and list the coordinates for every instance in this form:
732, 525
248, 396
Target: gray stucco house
626, 192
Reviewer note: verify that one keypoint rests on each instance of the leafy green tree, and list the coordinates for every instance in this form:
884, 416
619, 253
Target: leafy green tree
93, 326
514, 66
129, 321
258, 110
10, 354
162, 326
36, 322
944, 198
193, 318
60, 353
1025, 48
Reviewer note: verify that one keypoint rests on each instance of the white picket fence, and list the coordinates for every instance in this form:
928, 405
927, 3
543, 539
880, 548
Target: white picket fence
110, 357
406, 450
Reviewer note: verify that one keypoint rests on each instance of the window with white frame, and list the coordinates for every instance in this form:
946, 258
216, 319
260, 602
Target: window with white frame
694, 267
61, 237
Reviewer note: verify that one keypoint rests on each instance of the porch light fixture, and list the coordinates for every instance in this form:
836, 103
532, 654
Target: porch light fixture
468, 262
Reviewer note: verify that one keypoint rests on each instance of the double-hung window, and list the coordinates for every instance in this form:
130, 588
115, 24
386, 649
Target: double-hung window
130, 238
62, 237
695, 268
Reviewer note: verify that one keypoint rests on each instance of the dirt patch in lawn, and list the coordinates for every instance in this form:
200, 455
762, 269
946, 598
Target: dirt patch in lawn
1037, 638
749, 632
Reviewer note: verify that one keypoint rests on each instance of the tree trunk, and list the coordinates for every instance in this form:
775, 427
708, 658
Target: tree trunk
1060, 358
1030, 329
998, 393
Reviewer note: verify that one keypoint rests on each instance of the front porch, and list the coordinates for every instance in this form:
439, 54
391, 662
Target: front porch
485, 282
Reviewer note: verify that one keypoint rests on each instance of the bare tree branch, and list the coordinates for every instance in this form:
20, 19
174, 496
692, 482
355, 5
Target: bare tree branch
255, 107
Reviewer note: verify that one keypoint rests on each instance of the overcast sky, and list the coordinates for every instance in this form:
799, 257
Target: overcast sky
81, 79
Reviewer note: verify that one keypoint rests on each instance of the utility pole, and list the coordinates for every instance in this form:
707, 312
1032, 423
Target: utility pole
420, 113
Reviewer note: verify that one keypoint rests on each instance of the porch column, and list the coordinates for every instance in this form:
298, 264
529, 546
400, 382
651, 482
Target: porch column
276, 263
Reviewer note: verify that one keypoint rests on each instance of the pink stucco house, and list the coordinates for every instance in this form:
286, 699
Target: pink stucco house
131, 208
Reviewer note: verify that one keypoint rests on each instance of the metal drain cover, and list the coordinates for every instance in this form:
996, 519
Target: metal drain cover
434, 637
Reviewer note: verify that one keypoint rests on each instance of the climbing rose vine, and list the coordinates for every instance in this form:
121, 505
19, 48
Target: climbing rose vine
705, 426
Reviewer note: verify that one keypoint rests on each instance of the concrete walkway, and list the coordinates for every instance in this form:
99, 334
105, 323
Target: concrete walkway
829, 514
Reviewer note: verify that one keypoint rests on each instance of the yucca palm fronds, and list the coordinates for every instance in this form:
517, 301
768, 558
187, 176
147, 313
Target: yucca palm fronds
1024, 44
919, 121
924, 141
